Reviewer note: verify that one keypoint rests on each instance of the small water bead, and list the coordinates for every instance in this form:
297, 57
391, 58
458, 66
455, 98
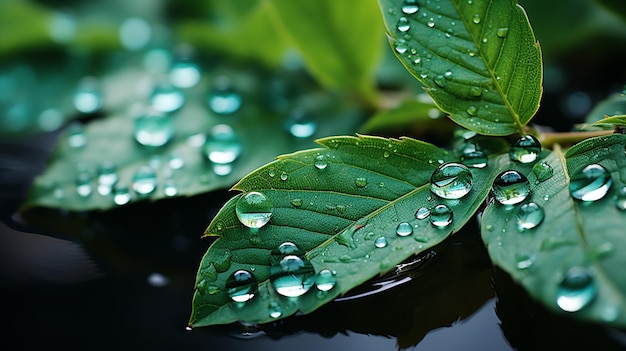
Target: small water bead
422, 213
524, 260
241, 286
325, 280
175, 161
222, 169
222, 145
223, 99
284, 176
144, 180
380, 242
404, 229
83, 184
410, 7
543, 171
476, 18
502, 32
451, 181
121, 194
510, 187
296, 202
287, 248
403, 24
475, 159
75, 135
300, 124
525, 150
430, 23
254, 210
576, 290
274, 310
529, 216
293, 276
320, 162
184, 74
166, 98
440, 81
620, 199
591, 184
153, 129
471, 110
441, 216
360, 182
107, 177
169, 188
88, 95
475, 91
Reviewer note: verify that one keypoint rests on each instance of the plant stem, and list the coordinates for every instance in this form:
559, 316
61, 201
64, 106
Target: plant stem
569, 138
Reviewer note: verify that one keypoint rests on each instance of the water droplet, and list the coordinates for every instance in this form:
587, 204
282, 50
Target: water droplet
502, 32
166, 98
325, 280
475, 91
620, 199
403, 24
223, 99
475, 159
242, 286
410, 7
524, 260
254, 210
222, 145
184, 74
121, 194
107, 177
284, 176
83, 184
287, 248
471, 110
525, 150
274, 310
440, 81
591, 184
176, 161
404, 229
75, 135
169, 188
380, 242
510, 187
296, 202
134, 33
301, 124
476, 18
292, 276
88, 95
153, 129
360, 182
430, 23
401, 46
144, 180
529, 216
576, 290
422, 213
543, 171
451, 181
441, 216
321, 162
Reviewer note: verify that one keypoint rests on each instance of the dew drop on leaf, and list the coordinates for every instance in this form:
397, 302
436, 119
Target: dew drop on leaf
526, 149
524, 260
83, 184
451, 181
543, 171
591, 184
144, 180
153, 128
576, 290
296, 202
360, 182
510, 187
410, 7
300, 124
325, 280
169, 188
471, 110
441, 216
292, 276
166, 98
403, 25
380, 242
404, 229
121, 194
320, 162
223, 99
274, 309
529, 216
287, 248
254, 210
75, 135
422, 213
88, 95
476, 18
620, 199
107, 177
502, 32
475, 159
222, 145
241, 286
184, 74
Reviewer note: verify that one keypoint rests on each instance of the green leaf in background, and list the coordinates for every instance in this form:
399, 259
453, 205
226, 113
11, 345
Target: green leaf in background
479, 60
351, 208
408, 112
612, 121
617, 6
566, 252
340, 42
612, 106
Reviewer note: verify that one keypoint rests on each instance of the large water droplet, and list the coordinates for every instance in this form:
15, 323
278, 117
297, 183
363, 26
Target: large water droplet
441, 216
404, 229
410, 7
254, 210
320, 162
293, 276
242, 286
107, 177
422, 213
620, 199
166, 98
576, 290
476, 18
121, 194
525, 150
529, 216
380, 242
222, 145
510, 187
475, 159
223, 99
153, 129
591, 184
451, 181
403, 24
144, 180
287, 248
325, 280
543, 171
88, 95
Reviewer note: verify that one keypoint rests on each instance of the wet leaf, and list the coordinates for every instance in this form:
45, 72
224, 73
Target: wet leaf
329, 34
410, 111
614, 105
342, 205
612, 121
479, 60
571, 260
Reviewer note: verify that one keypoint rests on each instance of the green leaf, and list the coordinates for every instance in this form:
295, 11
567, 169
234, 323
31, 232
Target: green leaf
408, 112
612, 121
340, 43
479, 60
573, 234
333, 212
612, 106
